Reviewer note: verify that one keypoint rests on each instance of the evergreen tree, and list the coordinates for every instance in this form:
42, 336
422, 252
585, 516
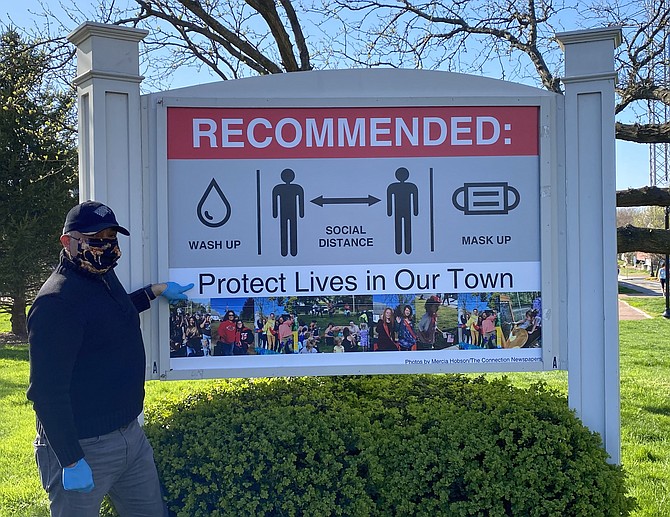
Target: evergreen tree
38, 171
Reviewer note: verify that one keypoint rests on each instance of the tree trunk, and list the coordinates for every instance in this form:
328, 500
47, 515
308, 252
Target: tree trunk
650, 240
643, 133
18, 318
645, 196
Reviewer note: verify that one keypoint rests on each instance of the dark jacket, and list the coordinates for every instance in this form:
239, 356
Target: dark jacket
87, 363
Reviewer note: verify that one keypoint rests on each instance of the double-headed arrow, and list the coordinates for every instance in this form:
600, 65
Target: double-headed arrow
370, 200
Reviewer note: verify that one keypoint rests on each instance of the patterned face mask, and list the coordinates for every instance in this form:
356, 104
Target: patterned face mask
97, 255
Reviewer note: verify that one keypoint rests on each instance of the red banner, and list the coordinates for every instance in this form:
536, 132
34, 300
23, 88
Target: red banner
384, 132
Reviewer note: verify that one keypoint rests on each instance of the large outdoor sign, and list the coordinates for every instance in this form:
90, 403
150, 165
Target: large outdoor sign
322, 217
365, 221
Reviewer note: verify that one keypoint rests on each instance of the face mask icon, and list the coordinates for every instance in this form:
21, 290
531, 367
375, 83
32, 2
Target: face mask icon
490, 198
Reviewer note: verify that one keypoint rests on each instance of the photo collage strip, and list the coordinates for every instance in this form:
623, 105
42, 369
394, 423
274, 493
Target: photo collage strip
356, 323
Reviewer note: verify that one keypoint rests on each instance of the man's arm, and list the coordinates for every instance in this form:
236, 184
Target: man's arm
55, 337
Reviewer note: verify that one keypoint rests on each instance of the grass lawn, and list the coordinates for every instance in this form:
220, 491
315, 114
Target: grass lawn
633, 272
645, 412
645, 406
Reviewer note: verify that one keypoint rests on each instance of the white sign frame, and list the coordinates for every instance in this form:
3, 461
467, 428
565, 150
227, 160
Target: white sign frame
491, 93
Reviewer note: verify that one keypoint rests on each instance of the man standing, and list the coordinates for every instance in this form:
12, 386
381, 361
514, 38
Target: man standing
87, 368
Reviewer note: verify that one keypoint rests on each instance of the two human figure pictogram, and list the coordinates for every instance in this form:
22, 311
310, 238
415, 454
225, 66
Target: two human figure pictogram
288, 205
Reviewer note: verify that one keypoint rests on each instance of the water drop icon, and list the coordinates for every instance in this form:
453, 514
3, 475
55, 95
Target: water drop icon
213, 208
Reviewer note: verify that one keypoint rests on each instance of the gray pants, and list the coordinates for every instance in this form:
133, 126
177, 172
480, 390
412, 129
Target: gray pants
123, 467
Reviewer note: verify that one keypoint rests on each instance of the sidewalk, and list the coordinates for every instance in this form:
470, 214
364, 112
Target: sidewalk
627, 312
642, 286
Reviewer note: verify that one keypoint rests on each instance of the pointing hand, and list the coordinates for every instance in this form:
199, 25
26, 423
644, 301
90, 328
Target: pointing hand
175, 292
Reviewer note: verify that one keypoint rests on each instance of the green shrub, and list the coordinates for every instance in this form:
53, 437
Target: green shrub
381, 445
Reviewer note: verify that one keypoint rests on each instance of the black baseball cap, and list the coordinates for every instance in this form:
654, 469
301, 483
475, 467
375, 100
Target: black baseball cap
91, 217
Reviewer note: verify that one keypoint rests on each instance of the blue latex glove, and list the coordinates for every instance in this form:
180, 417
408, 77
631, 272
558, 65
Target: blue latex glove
175, 292
78, 478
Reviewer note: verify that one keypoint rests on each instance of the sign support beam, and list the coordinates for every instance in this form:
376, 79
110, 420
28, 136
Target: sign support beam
590, 226
110, 165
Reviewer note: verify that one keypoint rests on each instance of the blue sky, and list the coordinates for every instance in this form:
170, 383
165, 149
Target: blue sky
632, 159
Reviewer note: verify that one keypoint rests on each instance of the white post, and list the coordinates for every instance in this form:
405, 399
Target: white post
110, 146
110, 161
592, 310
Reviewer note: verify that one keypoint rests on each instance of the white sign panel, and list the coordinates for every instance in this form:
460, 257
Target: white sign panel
308, 223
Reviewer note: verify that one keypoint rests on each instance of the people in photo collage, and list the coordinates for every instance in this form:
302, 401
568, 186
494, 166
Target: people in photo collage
380, 323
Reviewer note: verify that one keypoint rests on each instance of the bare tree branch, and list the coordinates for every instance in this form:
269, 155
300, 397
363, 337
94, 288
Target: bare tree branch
650, 240
641, 91
430, 28
643, 133
632, 238
211, 29
300, 42
645, 196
